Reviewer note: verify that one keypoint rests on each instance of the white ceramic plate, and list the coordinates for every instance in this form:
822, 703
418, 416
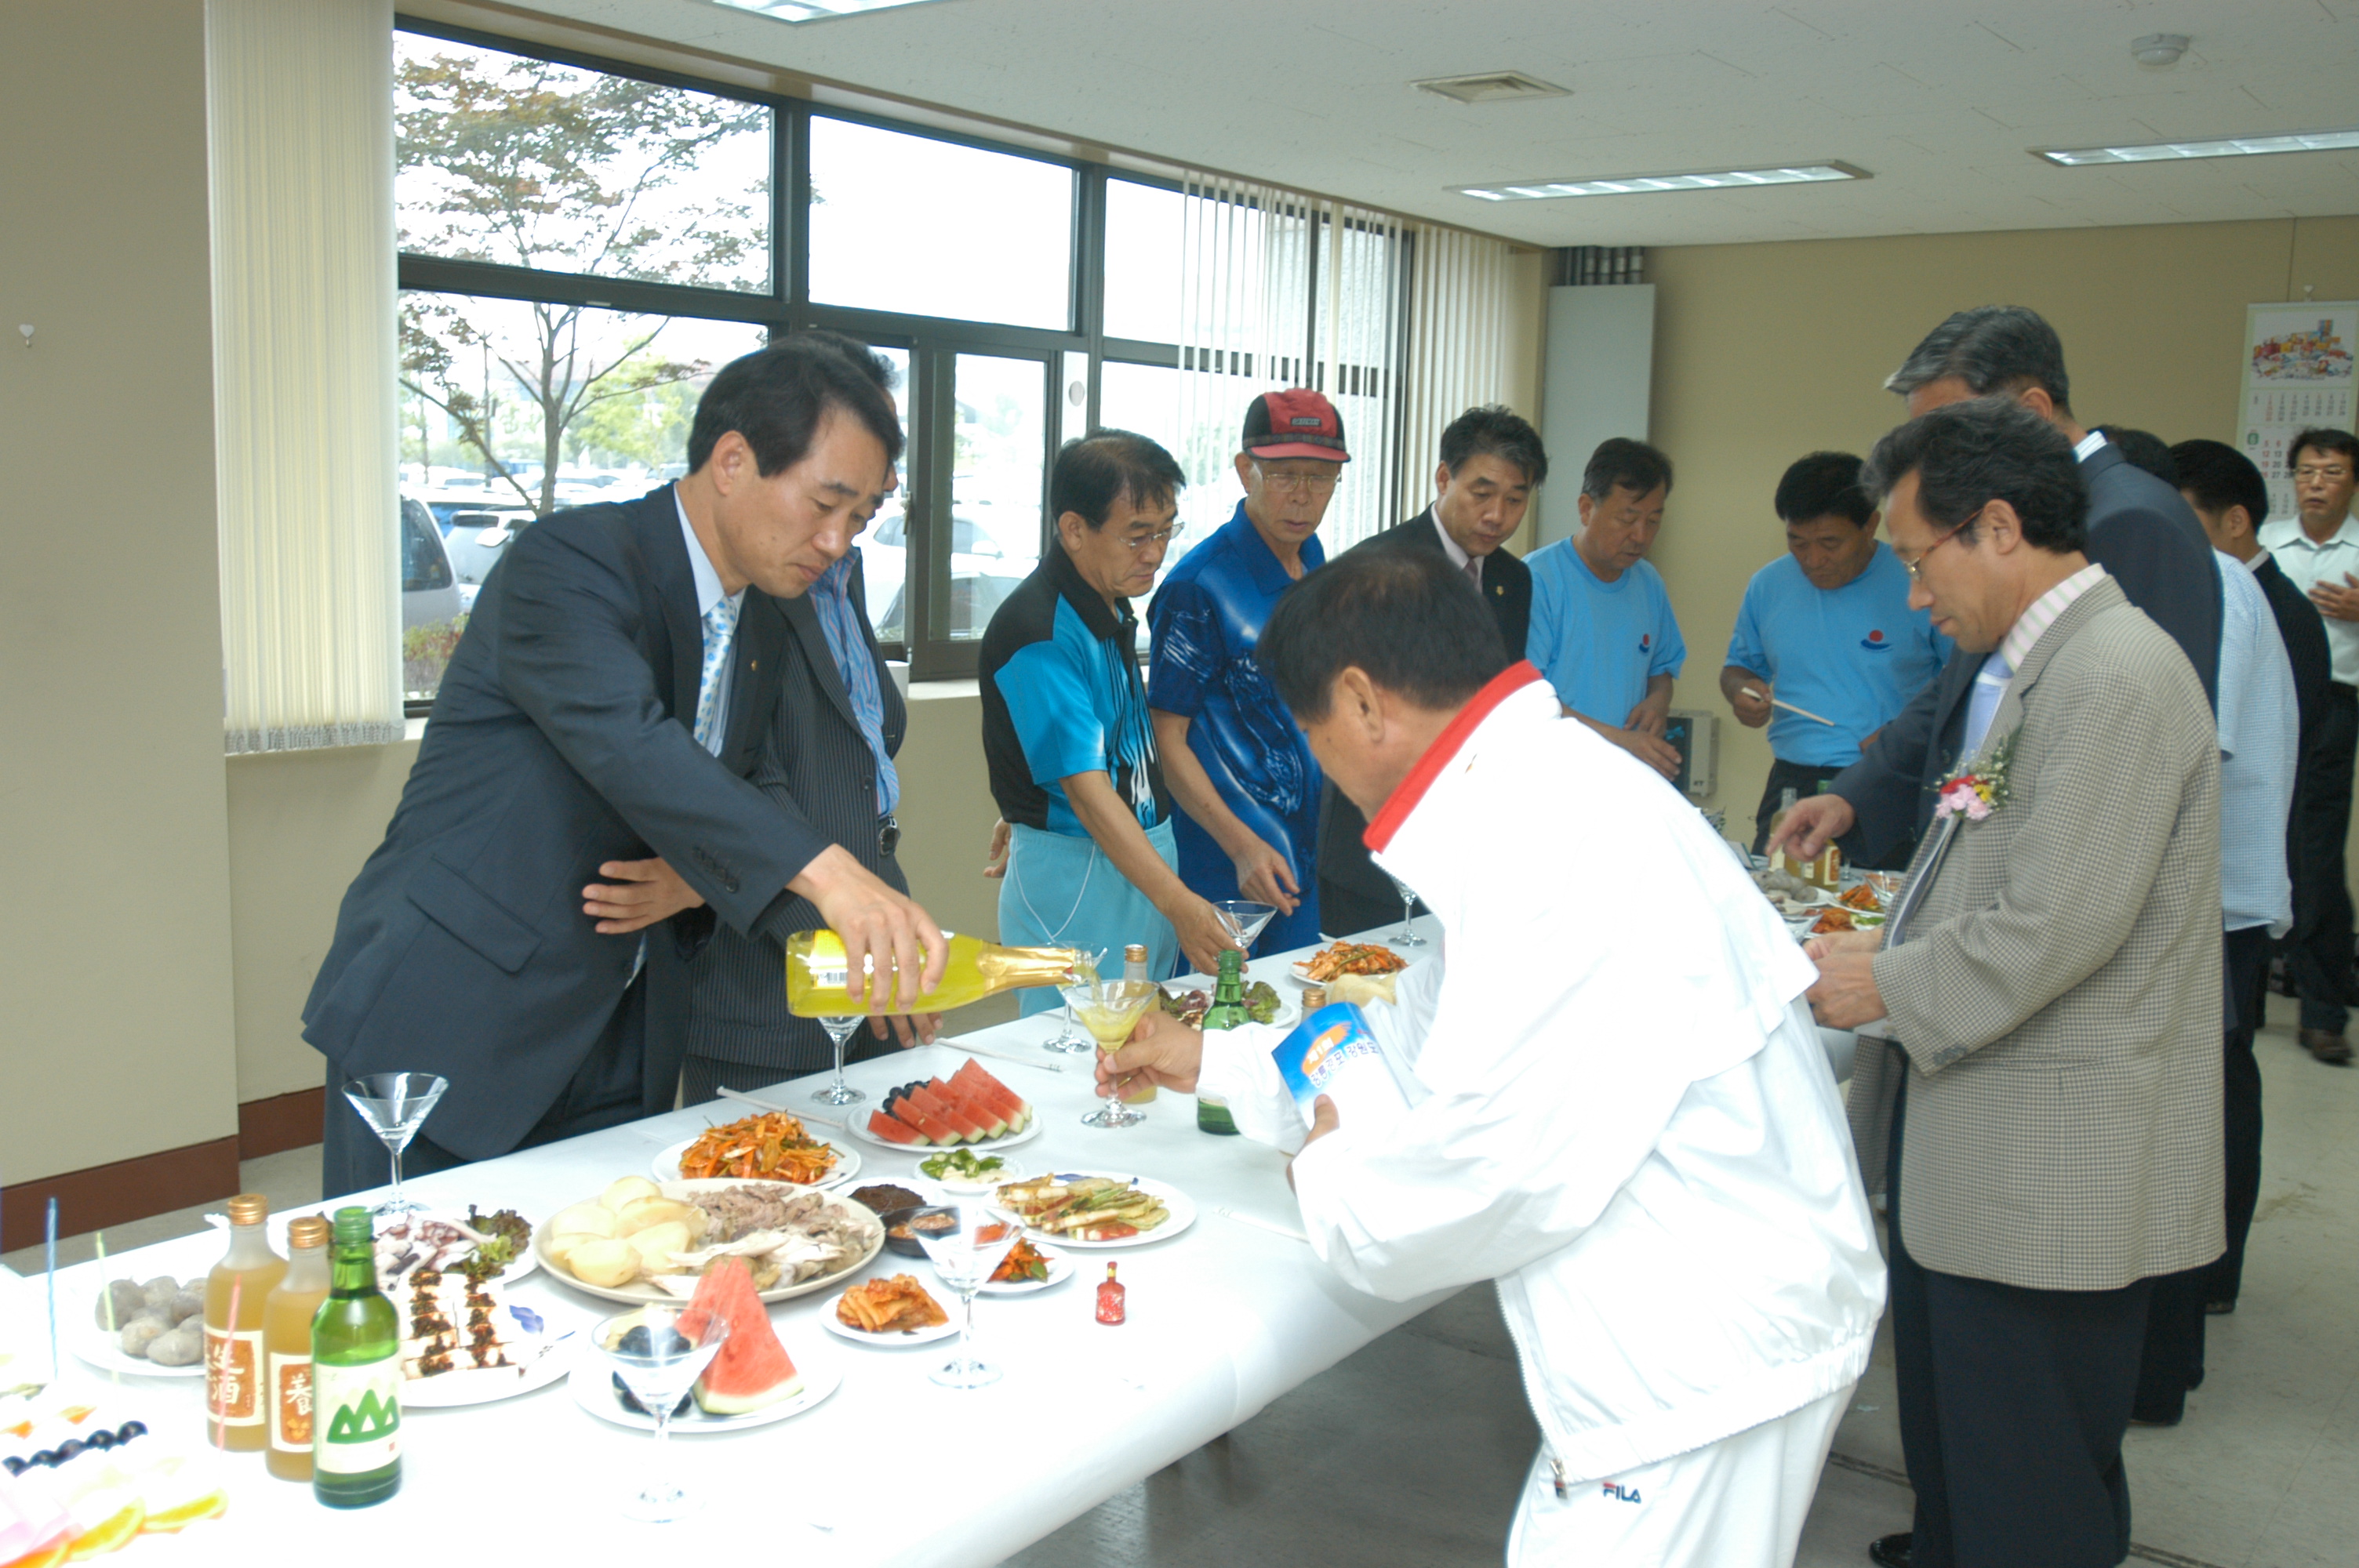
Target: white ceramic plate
1061, 1269
78, 1327
919, 1152
594, 1389
956, 1185
892, 1339
666, 1167
643, 1294
1183, 1208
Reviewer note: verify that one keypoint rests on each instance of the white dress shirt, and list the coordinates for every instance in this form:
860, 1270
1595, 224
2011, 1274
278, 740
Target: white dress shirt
2309, 563
2260, 736
1458, 557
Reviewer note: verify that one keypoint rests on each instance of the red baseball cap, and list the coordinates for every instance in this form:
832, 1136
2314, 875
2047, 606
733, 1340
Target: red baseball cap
1296, 423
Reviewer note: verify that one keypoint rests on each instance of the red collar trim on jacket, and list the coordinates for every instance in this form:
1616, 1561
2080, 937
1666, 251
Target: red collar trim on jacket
1411, 790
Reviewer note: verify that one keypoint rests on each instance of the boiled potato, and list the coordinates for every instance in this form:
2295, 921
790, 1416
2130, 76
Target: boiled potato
656, 1243
624, 1191
604, 1261
120, 1302
140, 1332
647, 1211
560, 1250
181, 1347
584, 1219
185, 1305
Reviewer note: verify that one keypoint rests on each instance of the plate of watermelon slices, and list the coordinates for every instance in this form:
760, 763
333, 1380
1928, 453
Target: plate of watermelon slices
970, 1109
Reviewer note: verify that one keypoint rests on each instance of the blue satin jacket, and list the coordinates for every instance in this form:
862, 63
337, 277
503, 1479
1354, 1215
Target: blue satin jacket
1206, 619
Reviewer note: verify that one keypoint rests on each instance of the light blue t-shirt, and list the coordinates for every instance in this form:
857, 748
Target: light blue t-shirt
1855, 654
1598, 642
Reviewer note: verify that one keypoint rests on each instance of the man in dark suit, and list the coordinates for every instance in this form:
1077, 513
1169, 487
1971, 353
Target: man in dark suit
609, 693
1492, 460
2231, 500
2138, 530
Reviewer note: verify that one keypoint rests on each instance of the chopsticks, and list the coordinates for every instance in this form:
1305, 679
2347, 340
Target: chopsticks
1271, 1226
1781, 702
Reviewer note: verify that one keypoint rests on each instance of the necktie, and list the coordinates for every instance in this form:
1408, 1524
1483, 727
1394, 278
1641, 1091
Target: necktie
720, 629
1982, 704
1474, 572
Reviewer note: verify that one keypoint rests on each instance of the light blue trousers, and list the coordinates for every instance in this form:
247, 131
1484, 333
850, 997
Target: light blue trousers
1062, 892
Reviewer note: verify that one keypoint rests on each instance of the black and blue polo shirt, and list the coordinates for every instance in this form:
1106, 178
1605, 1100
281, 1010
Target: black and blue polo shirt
1062, 695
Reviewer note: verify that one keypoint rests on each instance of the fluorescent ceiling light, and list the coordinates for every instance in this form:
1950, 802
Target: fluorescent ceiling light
1638, 184
2225, 147
814, 10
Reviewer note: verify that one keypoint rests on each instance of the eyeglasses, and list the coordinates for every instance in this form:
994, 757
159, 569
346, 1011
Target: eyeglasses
1300, 483
1139, 544
2322, 470
1913, 569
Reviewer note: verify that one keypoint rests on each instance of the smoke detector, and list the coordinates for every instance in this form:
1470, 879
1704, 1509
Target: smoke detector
2160, 52
1490, 86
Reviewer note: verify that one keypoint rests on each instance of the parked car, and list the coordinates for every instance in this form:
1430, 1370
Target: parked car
477, 539
429, 587
983, 570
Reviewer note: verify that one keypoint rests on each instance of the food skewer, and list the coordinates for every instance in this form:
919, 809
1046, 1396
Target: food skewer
1781, 702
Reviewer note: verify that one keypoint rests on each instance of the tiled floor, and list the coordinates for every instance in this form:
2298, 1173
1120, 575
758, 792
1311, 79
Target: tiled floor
1411, 1451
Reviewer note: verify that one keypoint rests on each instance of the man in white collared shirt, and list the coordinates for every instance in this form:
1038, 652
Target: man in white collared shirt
2319, 550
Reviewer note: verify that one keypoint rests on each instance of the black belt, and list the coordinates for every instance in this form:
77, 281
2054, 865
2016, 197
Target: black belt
889, 837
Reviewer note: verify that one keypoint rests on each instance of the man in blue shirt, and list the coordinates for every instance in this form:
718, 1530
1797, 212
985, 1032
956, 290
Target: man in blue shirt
1065, 732
1601, 628
1828, 629
1243, 777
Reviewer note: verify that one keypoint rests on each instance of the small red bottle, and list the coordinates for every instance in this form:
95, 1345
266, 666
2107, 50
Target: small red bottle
1110, 1299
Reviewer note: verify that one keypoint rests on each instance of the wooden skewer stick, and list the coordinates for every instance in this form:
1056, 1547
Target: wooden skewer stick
1781, 702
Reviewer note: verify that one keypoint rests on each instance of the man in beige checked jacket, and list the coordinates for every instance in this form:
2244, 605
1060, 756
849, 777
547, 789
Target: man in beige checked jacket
2045, 1120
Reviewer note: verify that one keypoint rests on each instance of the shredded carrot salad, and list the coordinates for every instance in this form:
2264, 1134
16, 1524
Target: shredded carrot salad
772, 1146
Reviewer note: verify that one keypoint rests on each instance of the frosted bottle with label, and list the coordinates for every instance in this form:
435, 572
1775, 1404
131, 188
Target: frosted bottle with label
356, 1377
237, 1415
287, 1316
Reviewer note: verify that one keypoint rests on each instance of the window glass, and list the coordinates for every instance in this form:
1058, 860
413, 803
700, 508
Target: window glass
1199, 423
1143, 238
1001, 437
884, 544
513, 409
928, 228
523, 162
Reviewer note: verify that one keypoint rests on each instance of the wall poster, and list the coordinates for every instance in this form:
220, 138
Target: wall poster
2297, 377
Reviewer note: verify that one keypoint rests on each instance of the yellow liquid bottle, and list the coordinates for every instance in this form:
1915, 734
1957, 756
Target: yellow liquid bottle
816, 975
287, 1315
237, 1416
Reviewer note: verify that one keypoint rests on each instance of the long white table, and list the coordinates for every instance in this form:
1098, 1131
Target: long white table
892, 1468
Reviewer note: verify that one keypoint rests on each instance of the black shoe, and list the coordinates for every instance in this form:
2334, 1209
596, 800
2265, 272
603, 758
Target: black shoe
2220, 1308
1890, 1550
2331, 1049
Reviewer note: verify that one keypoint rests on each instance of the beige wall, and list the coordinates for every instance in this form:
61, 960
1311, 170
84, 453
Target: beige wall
1765, 351
115, 945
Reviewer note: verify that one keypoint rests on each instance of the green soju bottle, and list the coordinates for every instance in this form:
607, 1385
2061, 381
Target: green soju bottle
356, 1377
1227, 1012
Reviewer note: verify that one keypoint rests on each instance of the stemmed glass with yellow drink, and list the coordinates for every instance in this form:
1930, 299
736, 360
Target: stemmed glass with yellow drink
1110, 1013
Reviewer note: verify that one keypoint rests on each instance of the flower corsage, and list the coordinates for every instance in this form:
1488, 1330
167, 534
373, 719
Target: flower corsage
1980, 792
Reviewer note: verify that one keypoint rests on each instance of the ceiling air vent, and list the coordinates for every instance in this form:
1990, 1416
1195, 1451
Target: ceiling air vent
1490, 86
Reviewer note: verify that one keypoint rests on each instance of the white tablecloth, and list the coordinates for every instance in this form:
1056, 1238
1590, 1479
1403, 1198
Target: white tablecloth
1223, 1319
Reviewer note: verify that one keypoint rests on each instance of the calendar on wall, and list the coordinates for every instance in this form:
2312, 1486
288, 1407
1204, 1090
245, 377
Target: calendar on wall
2297, 377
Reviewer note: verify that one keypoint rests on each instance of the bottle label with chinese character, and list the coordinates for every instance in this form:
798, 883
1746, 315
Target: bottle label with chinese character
357, 1416
290, 1403
233, 1376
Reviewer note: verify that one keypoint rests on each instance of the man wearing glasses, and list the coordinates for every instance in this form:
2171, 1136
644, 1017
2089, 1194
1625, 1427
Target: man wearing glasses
1243, 777
2319, 550
1090, 862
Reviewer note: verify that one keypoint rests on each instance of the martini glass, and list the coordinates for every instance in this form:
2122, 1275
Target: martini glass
1069, 1037
1407, 936
839, 1030
395, 1105
1109, 1016
964, 1257
658, 1351
1245, 917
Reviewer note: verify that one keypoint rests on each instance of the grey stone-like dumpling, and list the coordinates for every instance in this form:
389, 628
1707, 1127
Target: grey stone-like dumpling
181, 1347
140, 1332
120, 1302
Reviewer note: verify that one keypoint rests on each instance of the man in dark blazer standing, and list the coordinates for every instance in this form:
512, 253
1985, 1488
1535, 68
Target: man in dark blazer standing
2138, 530
610, 692
1492, 460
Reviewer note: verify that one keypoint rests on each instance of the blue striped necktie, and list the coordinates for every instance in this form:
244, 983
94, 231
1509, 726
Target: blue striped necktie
720, 631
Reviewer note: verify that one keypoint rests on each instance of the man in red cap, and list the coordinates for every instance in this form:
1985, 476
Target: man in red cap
1233, 758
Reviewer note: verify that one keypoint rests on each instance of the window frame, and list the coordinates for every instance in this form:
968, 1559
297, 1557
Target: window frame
933, 343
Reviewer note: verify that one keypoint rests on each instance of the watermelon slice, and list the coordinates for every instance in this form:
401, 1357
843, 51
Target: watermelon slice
934, 1102
892, 1129
752, 1368
977, 1107
1012, 1106
935, 1129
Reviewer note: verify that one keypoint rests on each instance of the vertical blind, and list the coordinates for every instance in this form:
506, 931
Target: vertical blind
1457, 324
300, 110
